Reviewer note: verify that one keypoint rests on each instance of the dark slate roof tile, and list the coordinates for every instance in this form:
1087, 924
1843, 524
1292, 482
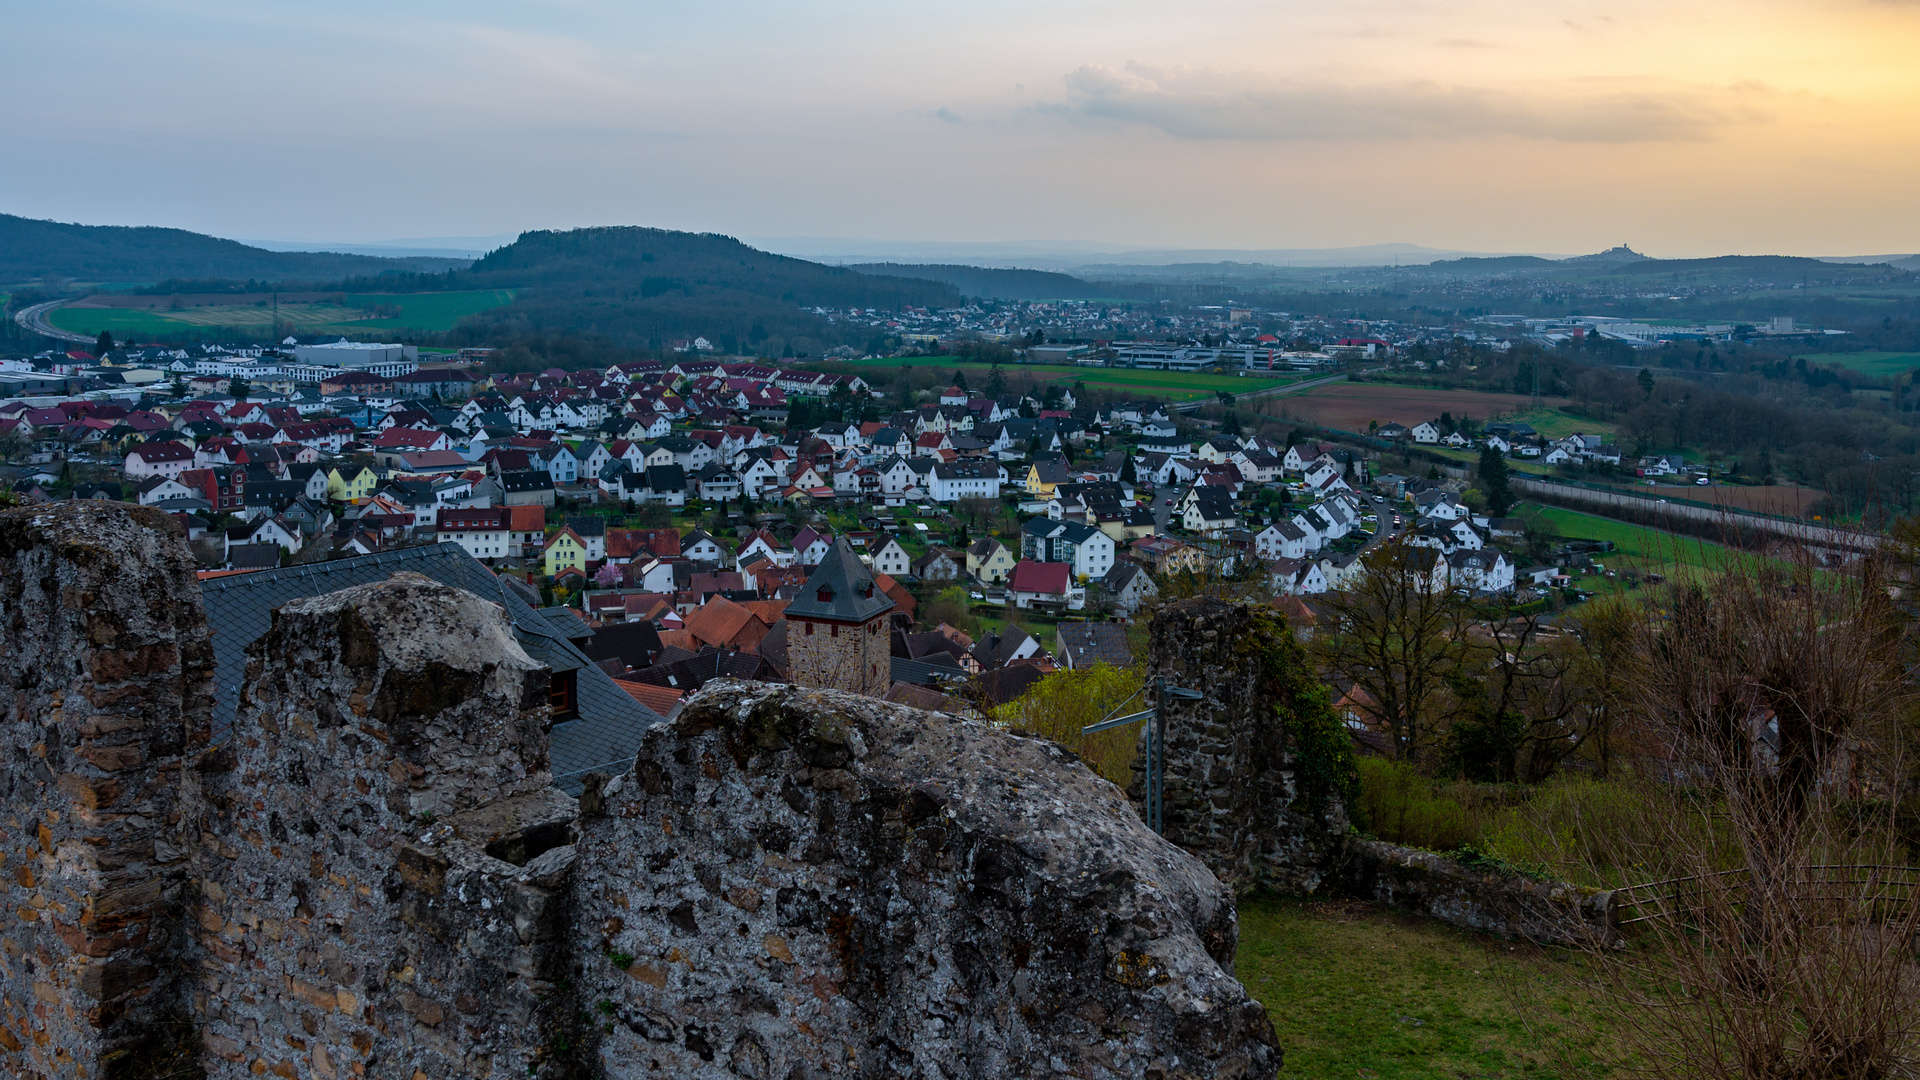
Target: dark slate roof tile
240, 609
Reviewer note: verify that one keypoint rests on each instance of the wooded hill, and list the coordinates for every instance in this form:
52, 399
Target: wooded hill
31, 250
640, 287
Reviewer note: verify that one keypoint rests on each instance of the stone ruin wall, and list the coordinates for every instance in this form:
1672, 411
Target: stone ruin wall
349, 910
371, 876
109, 671
1234, 793
1232, 796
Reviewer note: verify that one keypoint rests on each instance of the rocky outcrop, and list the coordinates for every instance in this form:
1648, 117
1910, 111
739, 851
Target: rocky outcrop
801, 883
370, 874
108, 665
1258, 768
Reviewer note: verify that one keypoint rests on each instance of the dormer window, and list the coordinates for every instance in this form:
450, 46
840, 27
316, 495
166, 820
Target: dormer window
826, 596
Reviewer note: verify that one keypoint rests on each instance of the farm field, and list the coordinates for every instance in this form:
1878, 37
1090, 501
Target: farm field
133, 317
1351, 406
1171, 385
1868, 363
1356, 991
1779, 499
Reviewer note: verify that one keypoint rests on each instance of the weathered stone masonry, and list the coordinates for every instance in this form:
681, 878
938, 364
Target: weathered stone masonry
371, 876
1233, 776
109, 668
351, 911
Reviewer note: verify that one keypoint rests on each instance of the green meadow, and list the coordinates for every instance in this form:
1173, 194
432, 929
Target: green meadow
1173, 385
1357, 992
425, 312
1868, 363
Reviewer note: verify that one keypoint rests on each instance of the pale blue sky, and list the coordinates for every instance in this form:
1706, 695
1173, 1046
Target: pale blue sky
1684, 127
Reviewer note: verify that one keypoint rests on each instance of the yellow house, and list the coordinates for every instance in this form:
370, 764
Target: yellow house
347, 486
1045, 475
1137, 523
565, 549
989, 560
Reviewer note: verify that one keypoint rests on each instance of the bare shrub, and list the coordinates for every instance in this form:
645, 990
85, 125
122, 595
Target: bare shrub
1774, 936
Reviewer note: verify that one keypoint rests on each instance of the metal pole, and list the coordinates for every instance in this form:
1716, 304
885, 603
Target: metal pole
1156, 761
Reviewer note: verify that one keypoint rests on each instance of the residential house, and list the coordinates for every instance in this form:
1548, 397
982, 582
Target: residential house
938, 565
1207, 510
564, 550
1046, 474
1129, 585
485, 533
592, 531
951, 482
892, 559
989, 560
166, 459
348, 484
1487, 570
1043, 584
1281, 540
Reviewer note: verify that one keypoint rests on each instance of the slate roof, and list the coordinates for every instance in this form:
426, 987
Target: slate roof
995, 650
931, 671
693, 672
634, 643
240, 608
1089, 643
841, 588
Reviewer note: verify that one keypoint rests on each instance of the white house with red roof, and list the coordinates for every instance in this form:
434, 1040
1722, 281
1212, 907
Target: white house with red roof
1044, 584
166, 459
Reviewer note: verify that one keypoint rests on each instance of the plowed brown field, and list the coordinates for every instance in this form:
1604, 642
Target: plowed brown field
1350, 406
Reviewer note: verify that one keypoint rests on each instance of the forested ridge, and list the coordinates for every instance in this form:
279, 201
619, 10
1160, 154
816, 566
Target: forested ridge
32, 250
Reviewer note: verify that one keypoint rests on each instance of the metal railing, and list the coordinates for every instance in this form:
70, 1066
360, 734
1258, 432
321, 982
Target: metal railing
1156, 779
1872, 881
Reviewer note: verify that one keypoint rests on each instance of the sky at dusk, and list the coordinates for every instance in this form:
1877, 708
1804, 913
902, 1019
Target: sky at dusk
1683, 127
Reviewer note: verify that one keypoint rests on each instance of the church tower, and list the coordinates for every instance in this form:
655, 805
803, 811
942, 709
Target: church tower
838, 633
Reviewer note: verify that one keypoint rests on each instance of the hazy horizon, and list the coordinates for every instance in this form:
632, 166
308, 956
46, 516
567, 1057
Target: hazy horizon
1685, 129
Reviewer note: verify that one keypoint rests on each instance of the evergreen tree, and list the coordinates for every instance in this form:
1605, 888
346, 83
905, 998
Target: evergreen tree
996, 382
1493, 482
1646, 381
1231, 425
103, 344
239, 388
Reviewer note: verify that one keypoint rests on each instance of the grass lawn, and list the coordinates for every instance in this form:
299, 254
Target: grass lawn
1646, 550
1555, 424
1358, 992
418, 311
1172, 385
1869, 363
1528, 466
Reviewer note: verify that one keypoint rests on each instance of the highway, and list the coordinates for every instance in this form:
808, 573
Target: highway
35, 319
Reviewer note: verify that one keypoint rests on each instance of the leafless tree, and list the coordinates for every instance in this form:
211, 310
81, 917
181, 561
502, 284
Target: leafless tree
1774, 937
1397, 633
